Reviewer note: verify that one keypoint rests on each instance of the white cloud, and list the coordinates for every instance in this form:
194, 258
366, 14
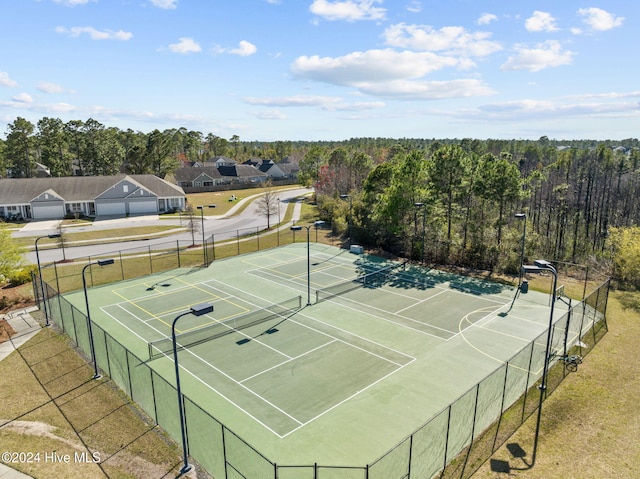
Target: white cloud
426, 90
95, 34
72, 3
599, 19
165, 4
185, 45
328, 103
557, 108
544, 55
455, 40
541, 22
294, 101
269, 114
486, 19
613, 95
349, 10
6, 81
370, 66
23, 98
414, 7
244, 49
48, 87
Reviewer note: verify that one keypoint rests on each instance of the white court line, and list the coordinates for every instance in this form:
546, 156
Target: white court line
155, 293
328, 325
301, 424
344, 298
199, 379
419, 302
291, 358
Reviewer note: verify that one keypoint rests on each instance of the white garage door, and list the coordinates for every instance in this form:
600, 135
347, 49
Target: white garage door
141, 207
109, 209
47, 212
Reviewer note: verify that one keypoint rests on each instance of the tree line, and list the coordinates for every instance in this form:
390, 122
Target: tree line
467, 203
90, 148
444, 200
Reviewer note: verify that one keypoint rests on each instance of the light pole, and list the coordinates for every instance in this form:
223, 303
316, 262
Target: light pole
543, 265
308, 228
348, 197
197, 310
44, 296
523, 217
101, 262
424, 215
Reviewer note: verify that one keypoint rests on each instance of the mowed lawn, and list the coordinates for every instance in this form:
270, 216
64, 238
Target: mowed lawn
591, 424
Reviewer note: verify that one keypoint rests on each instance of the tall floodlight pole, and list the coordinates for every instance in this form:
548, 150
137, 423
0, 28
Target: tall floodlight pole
44, 296
424, 216
197, 310
348, 197
101, 262
308, 228
539, 266
523, 217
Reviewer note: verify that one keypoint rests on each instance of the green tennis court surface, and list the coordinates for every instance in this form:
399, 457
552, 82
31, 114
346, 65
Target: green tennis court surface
339, 381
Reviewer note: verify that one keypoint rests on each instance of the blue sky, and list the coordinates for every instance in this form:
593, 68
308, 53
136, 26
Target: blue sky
271, 70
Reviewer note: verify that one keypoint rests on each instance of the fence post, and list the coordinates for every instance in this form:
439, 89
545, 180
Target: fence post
213, 246
446, 440
121, 264
526, 386
150, 261
178, 251
224, 453
504, 392
59, 293
473, 430
410, 453
238, 240
258, 236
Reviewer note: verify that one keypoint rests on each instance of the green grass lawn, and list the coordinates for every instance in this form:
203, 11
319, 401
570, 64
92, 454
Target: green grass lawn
591, 422
51, 404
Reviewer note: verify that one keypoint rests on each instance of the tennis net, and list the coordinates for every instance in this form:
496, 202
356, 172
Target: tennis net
368, 280
280, 311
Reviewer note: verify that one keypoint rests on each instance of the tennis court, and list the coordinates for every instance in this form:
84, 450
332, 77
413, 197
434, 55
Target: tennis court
320, 355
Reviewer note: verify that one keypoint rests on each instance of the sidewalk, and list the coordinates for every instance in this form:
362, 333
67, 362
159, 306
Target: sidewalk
7, 473
25, 327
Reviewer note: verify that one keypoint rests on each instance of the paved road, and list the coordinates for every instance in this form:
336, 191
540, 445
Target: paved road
222, 227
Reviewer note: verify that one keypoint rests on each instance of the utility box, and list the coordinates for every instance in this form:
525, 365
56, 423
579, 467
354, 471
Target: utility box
356, 249
524, 287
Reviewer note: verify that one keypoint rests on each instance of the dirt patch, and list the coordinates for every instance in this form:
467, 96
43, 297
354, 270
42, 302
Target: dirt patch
6, 331
122, 459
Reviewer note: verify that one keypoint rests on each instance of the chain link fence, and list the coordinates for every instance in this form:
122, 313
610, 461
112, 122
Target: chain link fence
452, 444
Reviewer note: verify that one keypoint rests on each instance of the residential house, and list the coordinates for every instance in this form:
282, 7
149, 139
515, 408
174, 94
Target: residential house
119, 195
198, 177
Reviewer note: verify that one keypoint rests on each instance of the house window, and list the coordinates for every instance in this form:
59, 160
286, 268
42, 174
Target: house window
125, 188
208, 183
74, 207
